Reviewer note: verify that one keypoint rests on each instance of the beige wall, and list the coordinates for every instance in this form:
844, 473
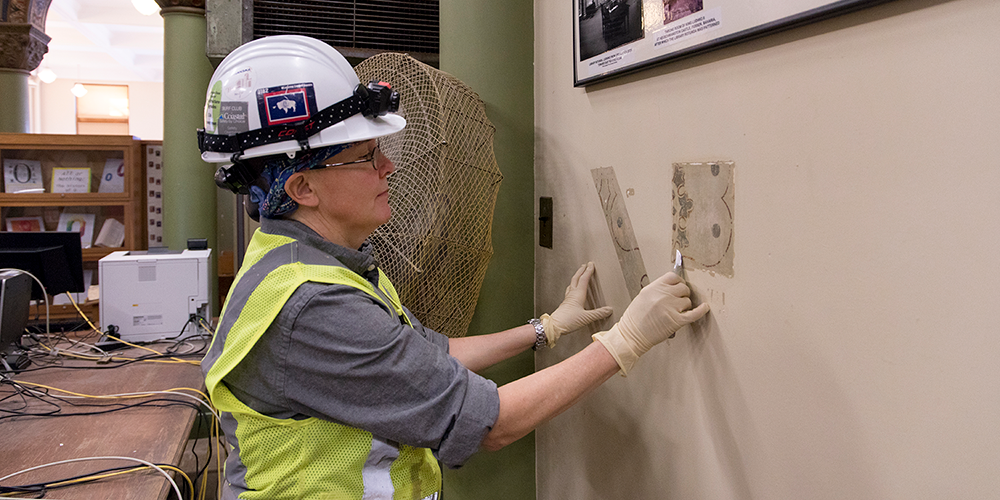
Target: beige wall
58, 108
854, 352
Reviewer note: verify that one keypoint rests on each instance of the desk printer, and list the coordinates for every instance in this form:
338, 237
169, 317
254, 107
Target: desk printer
151, 295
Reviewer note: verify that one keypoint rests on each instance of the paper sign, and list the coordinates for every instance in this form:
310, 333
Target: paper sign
70, 180
79, 223
620, 226
22, 176
113, 179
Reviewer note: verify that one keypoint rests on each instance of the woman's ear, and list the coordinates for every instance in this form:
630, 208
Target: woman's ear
297, 188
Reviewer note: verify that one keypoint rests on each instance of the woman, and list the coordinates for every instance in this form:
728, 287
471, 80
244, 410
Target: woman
328, 386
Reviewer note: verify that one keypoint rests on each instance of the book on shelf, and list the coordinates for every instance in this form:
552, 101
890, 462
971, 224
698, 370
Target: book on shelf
112, 234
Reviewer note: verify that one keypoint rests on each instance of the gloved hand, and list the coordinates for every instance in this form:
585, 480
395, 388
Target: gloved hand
660, 309
571, 315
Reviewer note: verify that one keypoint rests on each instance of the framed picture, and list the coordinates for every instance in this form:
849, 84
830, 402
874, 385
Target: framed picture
616, 37
24, 224
79, 223
22, 176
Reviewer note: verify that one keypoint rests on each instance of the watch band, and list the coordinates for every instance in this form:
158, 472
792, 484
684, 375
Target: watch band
540, 339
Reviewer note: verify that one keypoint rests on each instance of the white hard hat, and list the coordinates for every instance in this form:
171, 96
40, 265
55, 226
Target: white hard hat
286, 93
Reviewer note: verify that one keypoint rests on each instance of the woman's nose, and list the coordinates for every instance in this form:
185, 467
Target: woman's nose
383, 164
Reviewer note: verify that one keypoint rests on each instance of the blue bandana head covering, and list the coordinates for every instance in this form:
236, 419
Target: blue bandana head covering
275, 202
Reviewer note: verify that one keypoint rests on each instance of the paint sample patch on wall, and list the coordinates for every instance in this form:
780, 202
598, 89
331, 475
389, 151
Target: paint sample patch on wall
620, 226
703, 197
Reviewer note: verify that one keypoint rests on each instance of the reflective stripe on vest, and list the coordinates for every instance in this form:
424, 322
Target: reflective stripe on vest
311, 458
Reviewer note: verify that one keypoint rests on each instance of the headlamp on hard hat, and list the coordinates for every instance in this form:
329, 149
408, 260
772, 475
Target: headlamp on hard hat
380, 98
237, 177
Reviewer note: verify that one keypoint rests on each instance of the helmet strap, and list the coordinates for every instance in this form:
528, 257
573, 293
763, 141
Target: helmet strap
376, 99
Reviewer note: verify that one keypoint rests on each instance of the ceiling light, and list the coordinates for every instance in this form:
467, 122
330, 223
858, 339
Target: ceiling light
47, 75
146, 7
79, 90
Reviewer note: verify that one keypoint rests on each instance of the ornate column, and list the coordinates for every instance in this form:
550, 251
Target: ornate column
189, 191
23, 43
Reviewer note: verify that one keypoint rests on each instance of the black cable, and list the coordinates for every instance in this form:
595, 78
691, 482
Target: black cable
186, 323
204, 337
154, 403
113, 363
25, 394
43, 487
42, 360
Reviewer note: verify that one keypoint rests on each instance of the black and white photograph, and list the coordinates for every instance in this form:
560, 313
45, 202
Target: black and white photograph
617, 37
607, 24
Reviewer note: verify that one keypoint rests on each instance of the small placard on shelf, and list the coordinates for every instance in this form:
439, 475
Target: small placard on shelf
22, 176
70, 180
113, 179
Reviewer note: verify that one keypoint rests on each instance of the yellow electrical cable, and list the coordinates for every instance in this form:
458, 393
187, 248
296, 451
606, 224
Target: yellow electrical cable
183, 474
175, 389
220, 448
79, 394
215, 428
98, 477
202, 394
85, 318
175, 360
119, 358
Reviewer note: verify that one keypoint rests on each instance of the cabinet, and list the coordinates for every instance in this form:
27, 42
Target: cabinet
57, 182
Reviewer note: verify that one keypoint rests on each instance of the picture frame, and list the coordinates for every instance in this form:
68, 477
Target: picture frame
82, 223
612, 38
25, 224
22, 176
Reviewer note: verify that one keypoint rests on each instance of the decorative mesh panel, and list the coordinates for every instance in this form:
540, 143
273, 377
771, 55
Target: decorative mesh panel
437, 245
356, 28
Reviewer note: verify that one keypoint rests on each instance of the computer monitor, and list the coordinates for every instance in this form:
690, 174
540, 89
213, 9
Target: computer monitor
15, 293
54, 257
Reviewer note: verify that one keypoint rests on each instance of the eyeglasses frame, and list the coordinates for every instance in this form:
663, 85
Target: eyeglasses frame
368, 157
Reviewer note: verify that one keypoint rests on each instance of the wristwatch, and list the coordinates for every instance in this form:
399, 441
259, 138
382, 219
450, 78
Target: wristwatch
540, 340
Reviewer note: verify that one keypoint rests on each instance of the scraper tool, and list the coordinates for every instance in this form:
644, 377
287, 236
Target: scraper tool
679, 264
679, 271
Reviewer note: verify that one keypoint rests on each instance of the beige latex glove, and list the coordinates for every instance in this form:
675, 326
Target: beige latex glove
571, 315
660, 309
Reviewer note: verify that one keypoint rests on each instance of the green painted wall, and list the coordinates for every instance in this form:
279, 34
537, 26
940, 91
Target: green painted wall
14, 103
489, 46
189, 190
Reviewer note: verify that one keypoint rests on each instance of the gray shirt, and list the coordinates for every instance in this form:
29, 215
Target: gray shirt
336, 353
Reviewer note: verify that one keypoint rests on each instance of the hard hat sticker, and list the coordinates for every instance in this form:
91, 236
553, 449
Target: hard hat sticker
212, 108
286, 104
233, 117
239, 84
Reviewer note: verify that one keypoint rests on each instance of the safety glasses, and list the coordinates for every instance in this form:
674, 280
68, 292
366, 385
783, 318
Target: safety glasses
370, 157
